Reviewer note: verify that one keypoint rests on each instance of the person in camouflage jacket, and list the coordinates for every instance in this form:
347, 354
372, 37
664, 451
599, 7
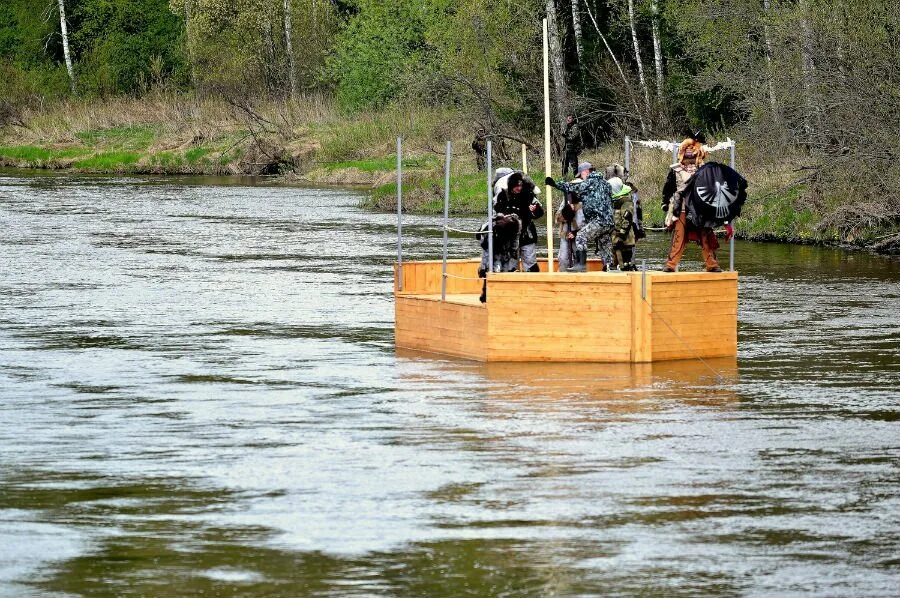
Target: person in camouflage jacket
596, 198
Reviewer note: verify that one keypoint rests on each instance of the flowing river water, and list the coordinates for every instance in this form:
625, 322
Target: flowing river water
199, 394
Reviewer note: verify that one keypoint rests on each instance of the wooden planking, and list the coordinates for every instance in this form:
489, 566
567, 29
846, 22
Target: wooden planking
680, 277
642, 325
440, 327
422, 278
695, 317
568, 317
547, 318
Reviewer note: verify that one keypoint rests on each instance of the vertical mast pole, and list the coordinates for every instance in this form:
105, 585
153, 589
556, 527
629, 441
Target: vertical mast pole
490, 210
731, 240
446, 221
399, 214
547, 169
627, 155
524, 159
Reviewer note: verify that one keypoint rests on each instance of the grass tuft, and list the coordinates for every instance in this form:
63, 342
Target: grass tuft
108, 161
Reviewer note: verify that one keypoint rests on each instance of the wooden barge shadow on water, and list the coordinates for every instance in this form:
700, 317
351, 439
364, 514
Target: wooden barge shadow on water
636, 317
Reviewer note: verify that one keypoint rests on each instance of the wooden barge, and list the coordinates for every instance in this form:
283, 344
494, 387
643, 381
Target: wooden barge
636, 317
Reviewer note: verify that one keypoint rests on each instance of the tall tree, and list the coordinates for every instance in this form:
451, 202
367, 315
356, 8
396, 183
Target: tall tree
188, 43
63, 26
615, 60
576, 29
770, 71
807, 64
657, 47
557, 64
637, 55
289, 48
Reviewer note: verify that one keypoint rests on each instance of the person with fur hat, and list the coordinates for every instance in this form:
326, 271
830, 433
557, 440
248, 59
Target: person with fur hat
691, 155
594, 193
623, 221
519, 196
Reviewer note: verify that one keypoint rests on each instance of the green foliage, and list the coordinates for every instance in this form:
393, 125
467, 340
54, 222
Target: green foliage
125, 46
108, 161
36, 156
30, 53
378, 50
196, 154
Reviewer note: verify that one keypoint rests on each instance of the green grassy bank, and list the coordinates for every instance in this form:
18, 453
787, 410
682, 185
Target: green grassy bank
310, 142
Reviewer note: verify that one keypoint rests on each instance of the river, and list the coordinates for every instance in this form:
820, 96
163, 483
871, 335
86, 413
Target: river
199, 393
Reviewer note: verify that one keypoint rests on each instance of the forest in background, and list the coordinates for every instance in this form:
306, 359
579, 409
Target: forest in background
810, 88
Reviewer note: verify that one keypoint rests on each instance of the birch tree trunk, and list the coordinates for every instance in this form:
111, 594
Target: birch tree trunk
289, 47
65, 40
189, 43
269, 69
576, 27
657, 47
807, 65
557, 65
637, 55
615, 60
770, 70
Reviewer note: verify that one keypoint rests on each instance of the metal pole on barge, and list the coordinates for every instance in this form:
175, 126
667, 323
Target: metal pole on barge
446, 221
399, 216
524, 159
490, 193
627, 155
731, 240
547, 149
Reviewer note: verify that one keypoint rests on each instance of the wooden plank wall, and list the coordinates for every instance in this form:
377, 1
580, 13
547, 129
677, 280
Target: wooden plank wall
694, 315
424, 278
569, 317
441, 327
559, 317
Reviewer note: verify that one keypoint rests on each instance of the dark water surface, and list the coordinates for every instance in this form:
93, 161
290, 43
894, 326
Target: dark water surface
199, 393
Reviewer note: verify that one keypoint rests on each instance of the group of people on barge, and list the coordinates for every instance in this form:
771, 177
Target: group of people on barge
602, 211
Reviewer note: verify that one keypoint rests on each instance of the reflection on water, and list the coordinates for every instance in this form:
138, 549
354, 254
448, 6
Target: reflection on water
200, 394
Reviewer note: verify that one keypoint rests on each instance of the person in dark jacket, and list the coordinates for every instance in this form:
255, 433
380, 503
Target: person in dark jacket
519, 196
479, 146
691, 156
572, 145
507, 229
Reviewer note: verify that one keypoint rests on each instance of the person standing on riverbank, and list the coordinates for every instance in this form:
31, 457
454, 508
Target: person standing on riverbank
571, 145
479, 146
595, 195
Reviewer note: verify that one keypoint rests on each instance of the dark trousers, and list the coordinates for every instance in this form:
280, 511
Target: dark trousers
570, 158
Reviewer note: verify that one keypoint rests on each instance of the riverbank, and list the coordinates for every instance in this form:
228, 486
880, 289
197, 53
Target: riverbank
309, 141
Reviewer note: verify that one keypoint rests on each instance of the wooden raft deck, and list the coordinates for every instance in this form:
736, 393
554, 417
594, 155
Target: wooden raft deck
590, 317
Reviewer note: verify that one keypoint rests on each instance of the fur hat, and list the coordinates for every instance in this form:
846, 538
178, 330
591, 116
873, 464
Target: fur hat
615, 170
691, 148
615, 184
502, 172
